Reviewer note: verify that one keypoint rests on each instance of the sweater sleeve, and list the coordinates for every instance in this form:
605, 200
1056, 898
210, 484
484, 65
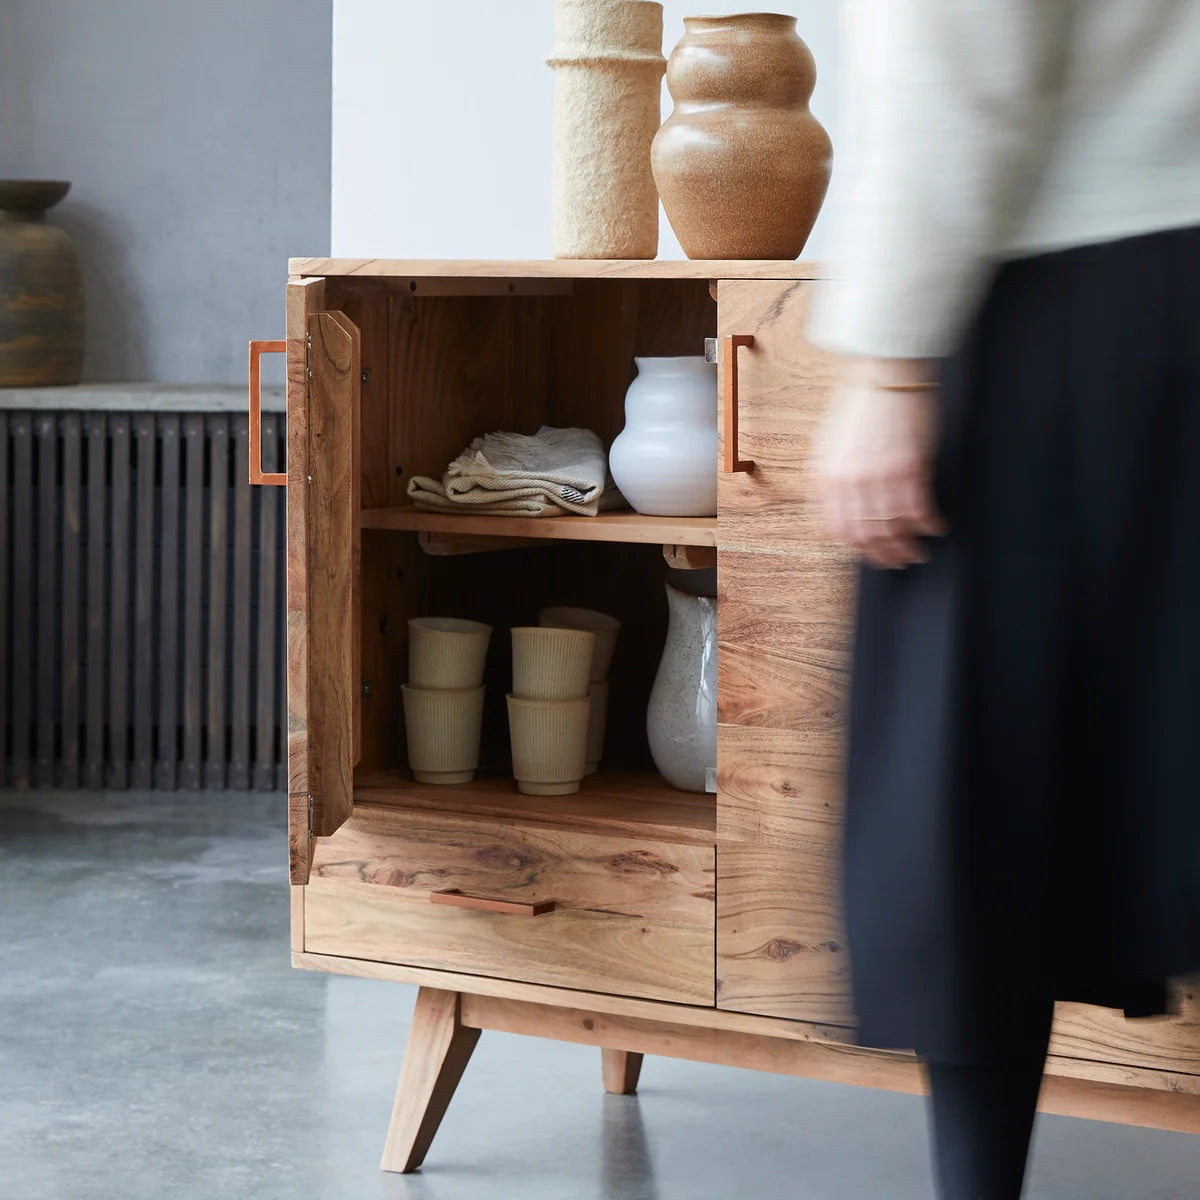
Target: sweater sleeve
949, 108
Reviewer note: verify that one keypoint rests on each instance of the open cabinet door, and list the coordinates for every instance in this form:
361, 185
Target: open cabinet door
324, 688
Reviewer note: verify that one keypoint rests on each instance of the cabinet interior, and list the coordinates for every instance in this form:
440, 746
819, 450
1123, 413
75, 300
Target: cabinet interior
444, 361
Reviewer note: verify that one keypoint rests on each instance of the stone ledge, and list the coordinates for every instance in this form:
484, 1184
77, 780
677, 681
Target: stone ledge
141, 397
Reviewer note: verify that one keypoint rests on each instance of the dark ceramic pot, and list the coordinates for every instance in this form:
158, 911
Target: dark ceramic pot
41, 289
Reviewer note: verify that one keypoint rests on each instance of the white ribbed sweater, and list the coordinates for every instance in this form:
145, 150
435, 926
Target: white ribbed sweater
980, 130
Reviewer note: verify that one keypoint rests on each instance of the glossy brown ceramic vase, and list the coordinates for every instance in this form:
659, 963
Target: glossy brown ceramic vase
741, 164
41, 289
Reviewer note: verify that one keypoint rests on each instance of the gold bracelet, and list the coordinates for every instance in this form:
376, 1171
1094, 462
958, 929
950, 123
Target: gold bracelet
928, 386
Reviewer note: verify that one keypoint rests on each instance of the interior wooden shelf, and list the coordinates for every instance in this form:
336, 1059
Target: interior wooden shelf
568, 268
639, 804
606, 527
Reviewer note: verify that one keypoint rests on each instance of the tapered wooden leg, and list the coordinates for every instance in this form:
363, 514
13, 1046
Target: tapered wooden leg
439, 1048
621, 1071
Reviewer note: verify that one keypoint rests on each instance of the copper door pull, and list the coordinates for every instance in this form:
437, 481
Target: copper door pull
461, 900
733, 343
257, 350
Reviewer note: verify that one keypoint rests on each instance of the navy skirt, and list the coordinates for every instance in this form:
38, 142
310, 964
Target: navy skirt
1023, 790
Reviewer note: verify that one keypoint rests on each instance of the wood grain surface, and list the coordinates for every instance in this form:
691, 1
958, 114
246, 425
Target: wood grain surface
630, 916
780, 787
621, 1070
729, 1047
334, 606
1168, 1044
784, 384
1065, 1095
605, 527
439, 1048
785, 612
784, 628
781, 949
1128, 1079
617, 803
303, 300
517, 269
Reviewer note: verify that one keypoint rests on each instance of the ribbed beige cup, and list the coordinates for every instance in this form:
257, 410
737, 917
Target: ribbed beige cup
605, 628
597, 719
549, 744
551, 664
443, 729
446, 652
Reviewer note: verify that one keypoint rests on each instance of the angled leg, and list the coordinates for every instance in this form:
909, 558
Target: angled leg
621, 1071
439, 1048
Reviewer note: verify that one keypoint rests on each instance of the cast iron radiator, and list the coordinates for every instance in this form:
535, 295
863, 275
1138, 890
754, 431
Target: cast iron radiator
141, 604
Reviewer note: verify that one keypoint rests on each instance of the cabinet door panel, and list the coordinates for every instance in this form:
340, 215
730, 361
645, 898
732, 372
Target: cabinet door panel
784, 626
783, 384
779, 787
784, 632
323, 570
780, 948
784, 623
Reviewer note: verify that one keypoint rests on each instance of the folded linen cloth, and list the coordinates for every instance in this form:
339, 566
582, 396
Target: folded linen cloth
552, 472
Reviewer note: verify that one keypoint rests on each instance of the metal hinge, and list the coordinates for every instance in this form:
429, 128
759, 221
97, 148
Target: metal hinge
308, 480
310, 817
710, 350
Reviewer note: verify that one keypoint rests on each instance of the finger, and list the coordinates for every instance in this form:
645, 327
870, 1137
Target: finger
913, 496
896, 553
857, 511
895, 533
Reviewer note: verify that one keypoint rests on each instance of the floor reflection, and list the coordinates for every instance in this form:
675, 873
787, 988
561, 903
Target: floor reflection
626, 1164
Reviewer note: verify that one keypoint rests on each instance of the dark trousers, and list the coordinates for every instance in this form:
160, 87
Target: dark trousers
982, 1115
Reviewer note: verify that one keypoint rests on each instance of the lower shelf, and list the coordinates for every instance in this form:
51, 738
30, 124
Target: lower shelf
637, 804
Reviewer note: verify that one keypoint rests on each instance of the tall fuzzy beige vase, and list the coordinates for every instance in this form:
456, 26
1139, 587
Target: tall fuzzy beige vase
608, 68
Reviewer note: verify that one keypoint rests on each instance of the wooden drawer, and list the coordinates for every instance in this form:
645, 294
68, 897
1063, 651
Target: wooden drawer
631, 917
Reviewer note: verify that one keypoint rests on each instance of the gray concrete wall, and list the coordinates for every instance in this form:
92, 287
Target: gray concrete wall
196, 136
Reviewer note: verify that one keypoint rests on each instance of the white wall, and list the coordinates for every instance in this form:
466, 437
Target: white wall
442, 123
196, 139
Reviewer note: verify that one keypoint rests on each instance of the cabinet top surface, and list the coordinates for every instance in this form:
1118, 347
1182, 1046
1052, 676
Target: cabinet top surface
563, 268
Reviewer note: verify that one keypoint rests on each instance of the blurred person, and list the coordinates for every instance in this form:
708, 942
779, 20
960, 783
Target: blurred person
1014, 449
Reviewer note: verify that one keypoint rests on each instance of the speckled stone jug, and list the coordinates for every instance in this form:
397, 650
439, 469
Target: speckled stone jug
741, 164
682, 718
41, 289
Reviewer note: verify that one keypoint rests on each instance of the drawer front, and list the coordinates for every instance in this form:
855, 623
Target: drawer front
630, 917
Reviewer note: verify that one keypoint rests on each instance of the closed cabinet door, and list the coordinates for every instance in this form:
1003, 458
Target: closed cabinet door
323, 541
784, 623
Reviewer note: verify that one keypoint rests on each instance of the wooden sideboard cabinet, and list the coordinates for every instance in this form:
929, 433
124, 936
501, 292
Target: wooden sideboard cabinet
697, 926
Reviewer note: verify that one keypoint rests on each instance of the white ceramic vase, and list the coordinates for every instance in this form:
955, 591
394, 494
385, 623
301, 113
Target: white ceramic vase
682, 718
665, 459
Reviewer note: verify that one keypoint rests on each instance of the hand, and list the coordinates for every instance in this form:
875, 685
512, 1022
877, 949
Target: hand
873, 462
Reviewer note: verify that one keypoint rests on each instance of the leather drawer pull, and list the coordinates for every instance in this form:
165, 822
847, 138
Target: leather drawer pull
461, 900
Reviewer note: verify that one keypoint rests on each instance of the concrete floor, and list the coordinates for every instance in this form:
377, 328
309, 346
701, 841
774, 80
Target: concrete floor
154, 1042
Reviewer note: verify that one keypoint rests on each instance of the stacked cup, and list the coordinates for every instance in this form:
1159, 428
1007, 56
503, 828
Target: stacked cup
443, 699
548, 708
605, 630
